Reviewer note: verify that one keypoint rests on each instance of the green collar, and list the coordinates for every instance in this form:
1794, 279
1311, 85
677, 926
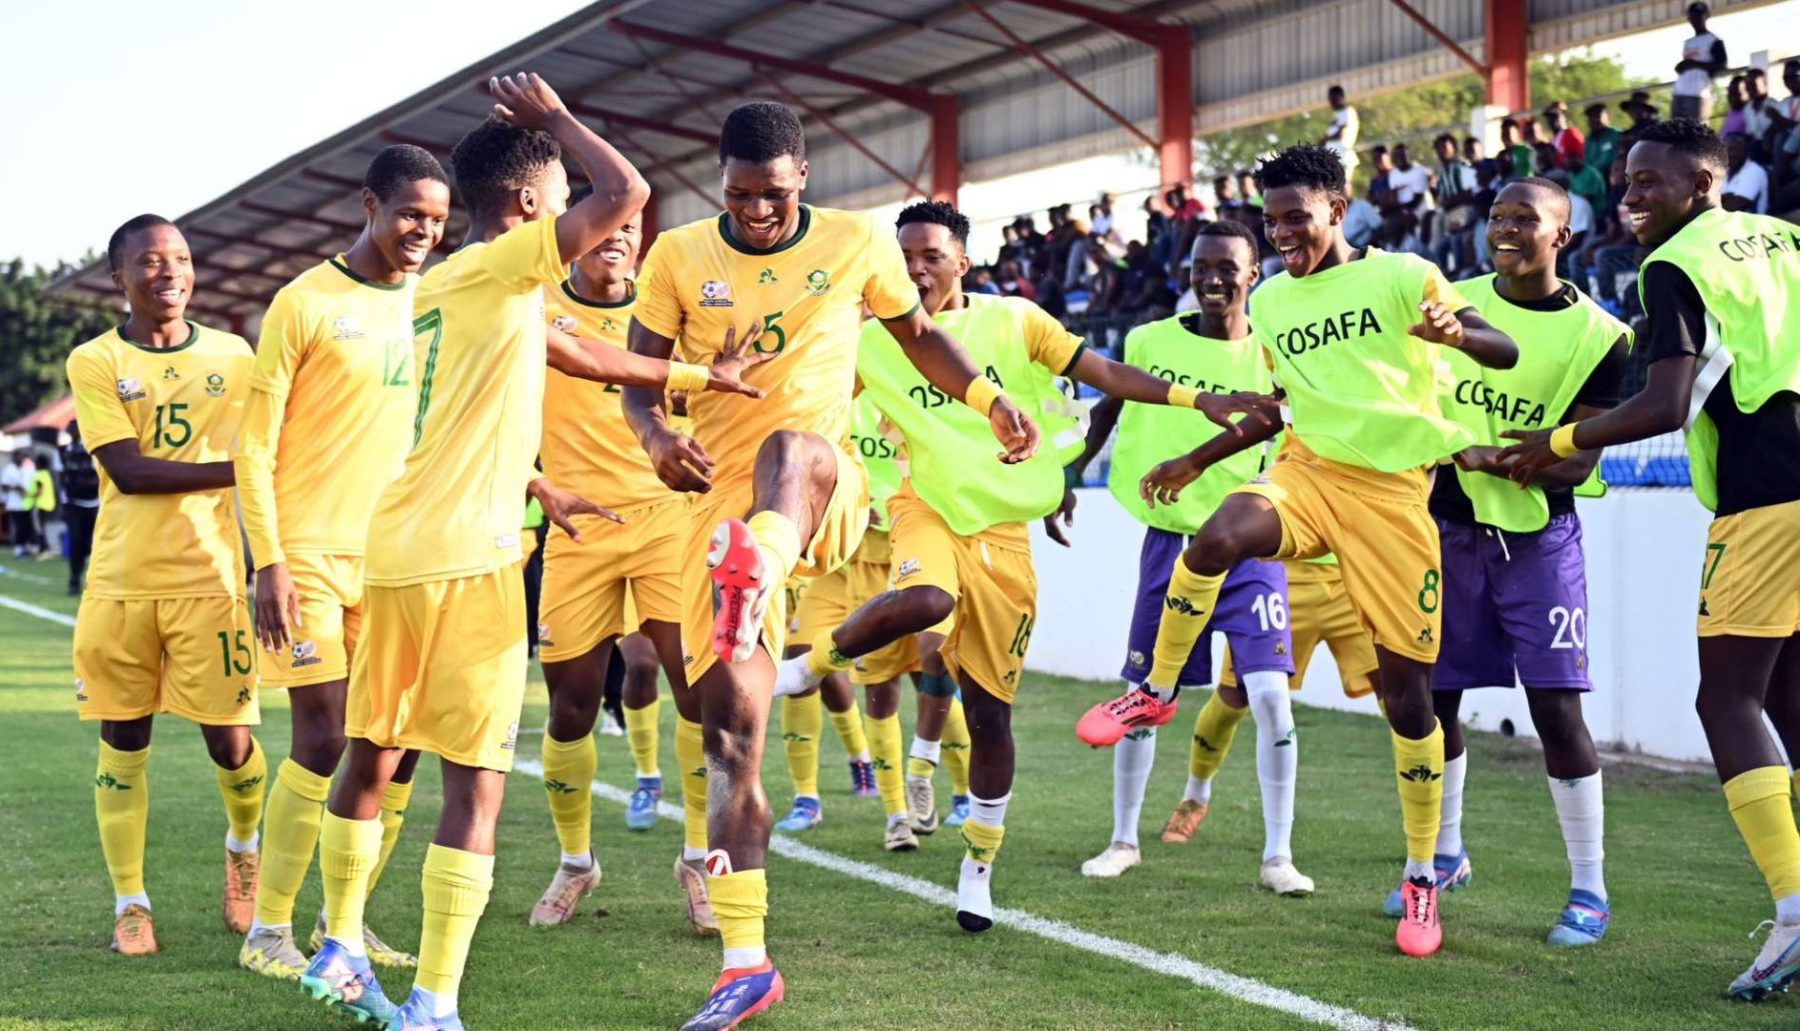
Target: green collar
342, 264
736, 245
193, 335
568, 289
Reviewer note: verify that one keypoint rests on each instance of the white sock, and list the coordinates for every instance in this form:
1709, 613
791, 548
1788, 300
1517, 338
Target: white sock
121, 901
1787, 910
926, 750
1132, 758
750, 956
584, 861
355, 947
1450, 842
257, 926
1198, 790
1277, 758
690, 854
439, 1006
1161, 694
1417, 869
234, 845
860, 757
972, 891
1581, 810
991, 811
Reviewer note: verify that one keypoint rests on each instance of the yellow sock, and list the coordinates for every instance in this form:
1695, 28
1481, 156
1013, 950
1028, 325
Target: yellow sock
641, 726
242, 790
779, 540
690, 753
915, 766
981, 841
849, 727
1213, 730
122, 809
801, 720
394, 800
290, 834
1760, 806
569, 768
740, 900
456, 886
956, 748
1419, 770
1186, 611
825, 659
885, 750
348, 852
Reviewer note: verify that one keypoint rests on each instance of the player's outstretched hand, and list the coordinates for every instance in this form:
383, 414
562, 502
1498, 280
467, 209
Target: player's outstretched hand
525, 100
1482, 459
1438, 324
1064, 516
737, 358
277, 607
560, 507
680, 462
1163, 484
1015, 431
1259, 410
1527, 460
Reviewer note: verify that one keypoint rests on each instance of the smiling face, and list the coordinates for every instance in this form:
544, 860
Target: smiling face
157, 273
1663, 189
1527, 225
406, 226
616, 255
763, 198
1225, 268
1301, 221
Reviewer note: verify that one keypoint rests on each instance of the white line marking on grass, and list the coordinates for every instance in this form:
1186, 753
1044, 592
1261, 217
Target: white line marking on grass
32, 610
1168, 964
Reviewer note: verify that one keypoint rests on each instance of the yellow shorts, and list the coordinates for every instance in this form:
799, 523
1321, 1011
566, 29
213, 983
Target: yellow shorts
615, 578
190, 657
1750, 585
839, 534
331, 588
1319, 612
1382, 532
991, 577
441, 668
827, 601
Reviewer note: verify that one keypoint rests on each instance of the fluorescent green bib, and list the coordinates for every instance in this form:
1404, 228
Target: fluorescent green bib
1149, 434
1747, 270
950, 449
1557, 352
1361, 389
879, 454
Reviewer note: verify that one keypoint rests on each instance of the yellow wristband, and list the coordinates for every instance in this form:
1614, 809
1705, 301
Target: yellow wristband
1562, 440
981, 395
690, 379
1182, 397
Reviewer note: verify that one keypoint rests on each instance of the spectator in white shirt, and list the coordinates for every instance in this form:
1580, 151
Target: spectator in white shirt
1759, 113
1702, 57
1746, 183
16, 481
1341, 136
1411, 183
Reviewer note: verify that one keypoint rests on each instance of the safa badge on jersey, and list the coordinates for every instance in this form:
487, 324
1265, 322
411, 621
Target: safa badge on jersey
715, 293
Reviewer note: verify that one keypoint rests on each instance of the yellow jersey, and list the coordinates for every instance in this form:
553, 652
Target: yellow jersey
329, 417
181, 404
588, 449
808, 293
478, 351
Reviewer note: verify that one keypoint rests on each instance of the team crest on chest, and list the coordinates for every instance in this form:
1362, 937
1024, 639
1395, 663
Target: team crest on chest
715, 293
131, 389
215, 385
817, 282
345, 328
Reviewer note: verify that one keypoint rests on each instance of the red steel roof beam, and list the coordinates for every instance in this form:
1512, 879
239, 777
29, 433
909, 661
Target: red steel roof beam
859, 146
248, 241
301, 216
646, 124
1053, 68
1438, 34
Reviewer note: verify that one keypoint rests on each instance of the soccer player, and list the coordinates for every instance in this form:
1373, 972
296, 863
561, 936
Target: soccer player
162, 627
331, 403
1721, 293
440, 664
1515, 577
961, 545
799, 276
589, 584
1354, 338
1211, 350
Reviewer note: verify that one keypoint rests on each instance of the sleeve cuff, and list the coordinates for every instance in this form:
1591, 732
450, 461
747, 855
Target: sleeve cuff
907, 314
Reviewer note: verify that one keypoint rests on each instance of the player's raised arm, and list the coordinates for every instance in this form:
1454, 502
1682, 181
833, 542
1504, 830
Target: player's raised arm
1163, 484
619, 191
944, 363
590, 360
1446, 318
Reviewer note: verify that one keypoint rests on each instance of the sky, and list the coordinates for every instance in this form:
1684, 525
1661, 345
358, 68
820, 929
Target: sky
211, 92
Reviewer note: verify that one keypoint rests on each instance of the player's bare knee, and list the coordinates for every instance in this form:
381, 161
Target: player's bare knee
923, 607
792, 453
229, 747
1216, 548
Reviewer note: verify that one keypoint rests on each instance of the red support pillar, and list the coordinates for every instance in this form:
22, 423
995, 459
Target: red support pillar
1175, 104
946, 148
1508, 54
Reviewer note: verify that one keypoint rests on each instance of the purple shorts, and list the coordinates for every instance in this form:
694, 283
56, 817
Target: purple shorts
1514, 601
1251, 613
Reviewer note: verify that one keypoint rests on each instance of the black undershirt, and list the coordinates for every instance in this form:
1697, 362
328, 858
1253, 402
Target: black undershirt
1451, 503
1759, 452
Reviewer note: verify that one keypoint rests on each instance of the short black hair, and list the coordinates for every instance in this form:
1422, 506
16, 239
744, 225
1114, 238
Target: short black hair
1303, 164
1443, 138
1689, 138
939, 213
1334, 88
115, 246
1233, 228
1558, 194
495, 158
760, 131
398, 165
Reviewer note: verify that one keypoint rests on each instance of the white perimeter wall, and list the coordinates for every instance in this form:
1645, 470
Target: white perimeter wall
1644, 551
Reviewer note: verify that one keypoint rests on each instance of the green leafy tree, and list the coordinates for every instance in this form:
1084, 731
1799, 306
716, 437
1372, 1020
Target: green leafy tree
1416, 114
37, 332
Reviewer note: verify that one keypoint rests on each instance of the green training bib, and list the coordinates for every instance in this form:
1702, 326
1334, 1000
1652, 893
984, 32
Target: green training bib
880, 455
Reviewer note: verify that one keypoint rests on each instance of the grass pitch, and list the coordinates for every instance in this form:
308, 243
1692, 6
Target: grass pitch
860, 955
